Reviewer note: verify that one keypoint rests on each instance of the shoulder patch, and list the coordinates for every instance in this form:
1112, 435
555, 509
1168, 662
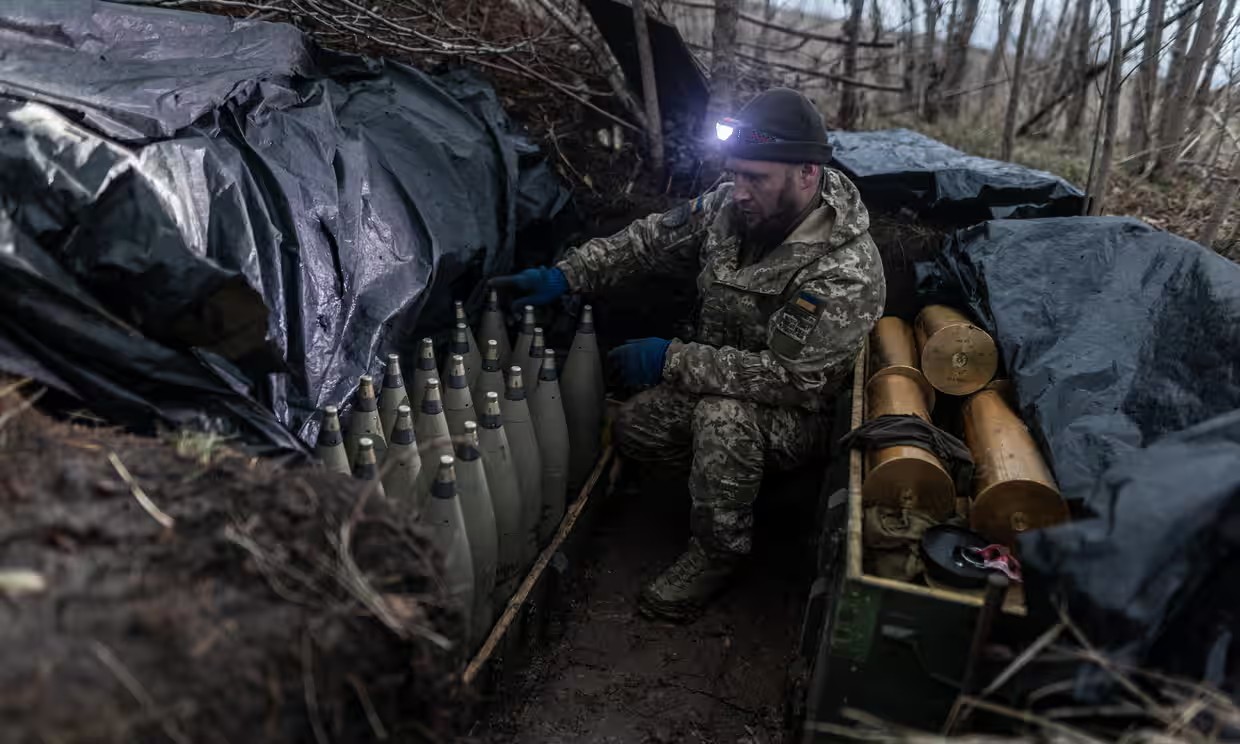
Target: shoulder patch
793, 324
676, 217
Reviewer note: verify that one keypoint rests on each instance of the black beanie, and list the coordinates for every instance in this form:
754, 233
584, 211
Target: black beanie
781, 125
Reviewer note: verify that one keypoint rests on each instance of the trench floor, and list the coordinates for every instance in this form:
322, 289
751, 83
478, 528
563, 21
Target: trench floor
609, 675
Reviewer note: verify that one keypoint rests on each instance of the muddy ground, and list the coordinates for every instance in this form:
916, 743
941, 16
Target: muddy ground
610, 675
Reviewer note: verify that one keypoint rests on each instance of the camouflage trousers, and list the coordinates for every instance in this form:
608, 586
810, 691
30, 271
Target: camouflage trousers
730, 442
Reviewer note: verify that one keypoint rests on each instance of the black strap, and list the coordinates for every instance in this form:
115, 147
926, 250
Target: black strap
903, 430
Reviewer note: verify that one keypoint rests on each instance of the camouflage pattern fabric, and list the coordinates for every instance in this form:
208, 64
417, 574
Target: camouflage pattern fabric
731, 443
783, 331
773, 342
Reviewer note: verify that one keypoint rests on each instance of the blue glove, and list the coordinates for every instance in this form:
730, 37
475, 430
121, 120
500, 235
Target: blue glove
640, 363
540, 286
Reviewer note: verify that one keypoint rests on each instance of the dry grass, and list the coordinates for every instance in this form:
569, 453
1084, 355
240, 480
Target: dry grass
1142, 706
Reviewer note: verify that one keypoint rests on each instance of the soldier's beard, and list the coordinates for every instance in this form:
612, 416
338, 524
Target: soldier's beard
771, 230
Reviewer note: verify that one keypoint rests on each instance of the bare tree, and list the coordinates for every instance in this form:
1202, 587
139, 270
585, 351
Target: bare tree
1018, 68
722, 64
1180, 101
1136, 19
958, 54
912, 70
1094, 71
1224, 196
1179, 46
1065, 29
650, 86
849, 104
1100, 166
764, 33
999, 53
1204, 89
1147, 84
929, 68
1083, 31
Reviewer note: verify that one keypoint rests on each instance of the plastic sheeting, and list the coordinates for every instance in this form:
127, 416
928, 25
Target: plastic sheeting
1124, 345
898, 169
206, 219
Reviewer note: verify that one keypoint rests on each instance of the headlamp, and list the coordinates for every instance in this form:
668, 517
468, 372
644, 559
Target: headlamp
734, 131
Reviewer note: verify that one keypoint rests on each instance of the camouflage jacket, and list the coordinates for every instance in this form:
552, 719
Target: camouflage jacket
783, 331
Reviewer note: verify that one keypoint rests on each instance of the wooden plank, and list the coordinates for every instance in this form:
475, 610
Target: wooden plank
537, 574
855, 516
1014, 604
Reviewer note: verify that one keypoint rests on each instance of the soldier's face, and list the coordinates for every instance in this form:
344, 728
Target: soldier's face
768, 193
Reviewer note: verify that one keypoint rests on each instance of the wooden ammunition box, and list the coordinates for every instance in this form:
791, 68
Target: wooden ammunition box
892, 649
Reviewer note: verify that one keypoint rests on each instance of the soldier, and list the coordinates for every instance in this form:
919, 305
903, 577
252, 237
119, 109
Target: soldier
789, 285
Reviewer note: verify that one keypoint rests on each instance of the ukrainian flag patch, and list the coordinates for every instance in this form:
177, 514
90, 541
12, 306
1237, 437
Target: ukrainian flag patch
807, 302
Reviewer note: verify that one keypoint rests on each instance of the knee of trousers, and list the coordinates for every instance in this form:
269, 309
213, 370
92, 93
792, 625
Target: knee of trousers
629, 431
728, 452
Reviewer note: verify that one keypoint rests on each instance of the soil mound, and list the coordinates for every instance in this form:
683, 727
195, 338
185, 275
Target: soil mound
242, 603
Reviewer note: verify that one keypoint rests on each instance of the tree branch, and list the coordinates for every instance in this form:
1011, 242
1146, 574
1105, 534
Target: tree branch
786, 30
823, 75
1093, 72
615, 78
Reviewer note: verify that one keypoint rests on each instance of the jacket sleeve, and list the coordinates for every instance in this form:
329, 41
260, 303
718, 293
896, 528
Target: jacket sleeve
664, 243
812, 340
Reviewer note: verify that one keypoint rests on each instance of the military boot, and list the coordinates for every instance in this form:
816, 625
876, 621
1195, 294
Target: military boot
681, 593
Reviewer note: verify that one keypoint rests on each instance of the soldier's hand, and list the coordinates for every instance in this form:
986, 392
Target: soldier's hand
639, 363
538, 286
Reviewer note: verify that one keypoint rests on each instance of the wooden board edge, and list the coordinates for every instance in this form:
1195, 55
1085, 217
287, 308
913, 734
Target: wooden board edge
517, 601
1010, 607
855, 514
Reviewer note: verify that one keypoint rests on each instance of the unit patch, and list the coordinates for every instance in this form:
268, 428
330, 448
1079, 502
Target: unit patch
794, 323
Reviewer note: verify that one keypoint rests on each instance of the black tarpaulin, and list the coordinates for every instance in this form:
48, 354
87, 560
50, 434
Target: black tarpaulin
264, 216
1124, 346
898, 169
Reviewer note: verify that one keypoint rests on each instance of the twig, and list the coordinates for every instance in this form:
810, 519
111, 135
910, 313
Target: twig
24, 406
786, 30
611, 68
371, 714
824, 75
1020, 662
1032, 718
354, 581
135, 688
556, 143
269, 567
307, 681
524, 70
14, 387
224, 3
156, 513
444, 45
1090, 654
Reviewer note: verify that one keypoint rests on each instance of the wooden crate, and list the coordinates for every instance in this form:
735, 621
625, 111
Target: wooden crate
891, 648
